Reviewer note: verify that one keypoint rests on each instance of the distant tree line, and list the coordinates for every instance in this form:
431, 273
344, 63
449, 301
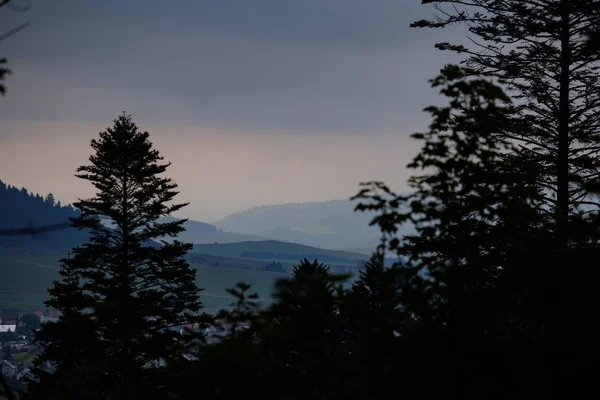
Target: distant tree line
285, 256
33, 223
20, 208
274, 266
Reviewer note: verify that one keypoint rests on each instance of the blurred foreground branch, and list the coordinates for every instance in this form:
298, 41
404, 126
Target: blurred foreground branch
33, 231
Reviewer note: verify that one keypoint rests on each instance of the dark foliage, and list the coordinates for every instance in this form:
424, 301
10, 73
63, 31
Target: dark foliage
12, 6
303, 333
3, 73
481, 278
372, 319
274, 266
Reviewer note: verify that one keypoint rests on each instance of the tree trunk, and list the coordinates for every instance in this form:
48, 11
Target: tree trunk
562, 193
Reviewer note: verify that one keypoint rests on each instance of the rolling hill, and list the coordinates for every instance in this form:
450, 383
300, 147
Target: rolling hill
273, 250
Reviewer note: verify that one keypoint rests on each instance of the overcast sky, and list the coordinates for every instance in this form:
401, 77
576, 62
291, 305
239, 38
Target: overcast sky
254, 101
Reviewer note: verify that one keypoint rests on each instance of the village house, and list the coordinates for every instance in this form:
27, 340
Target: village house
8, 328
10, 316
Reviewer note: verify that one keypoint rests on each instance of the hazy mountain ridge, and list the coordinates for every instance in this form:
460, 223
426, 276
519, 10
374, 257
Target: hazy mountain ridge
203, 233
329, 224
304, 217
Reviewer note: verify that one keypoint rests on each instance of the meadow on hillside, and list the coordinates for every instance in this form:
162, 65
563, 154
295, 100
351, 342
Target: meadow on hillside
24, 281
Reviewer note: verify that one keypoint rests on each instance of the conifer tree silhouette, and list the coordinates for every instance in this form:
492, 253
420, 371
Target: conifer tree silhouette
123, 296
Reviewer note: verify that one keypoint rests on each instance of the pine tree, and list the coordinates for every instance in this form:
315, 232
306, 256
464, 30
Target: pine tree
72, 346
372, 315
50, 199
130, 293
539, 50
303, 334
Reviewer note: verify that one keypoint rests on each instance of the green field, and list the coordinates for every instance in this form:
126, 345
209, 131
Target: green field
23, 357
214, 281
25, 279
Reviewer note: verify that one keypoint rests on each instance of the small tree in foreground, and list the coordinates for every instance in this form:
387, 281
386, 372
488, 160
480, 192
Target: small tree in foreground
123, 295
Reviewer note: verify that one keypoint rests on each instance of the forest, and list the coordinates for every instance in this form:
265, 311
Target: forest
19, 205
494, 297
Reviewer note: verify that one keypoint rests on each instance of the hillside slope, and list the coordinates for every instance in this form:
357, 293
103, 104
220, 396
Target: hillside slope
24, 281
271, 248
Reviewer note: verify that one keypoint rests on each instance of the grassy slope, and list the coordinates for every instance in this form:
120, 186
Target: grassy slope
25, 279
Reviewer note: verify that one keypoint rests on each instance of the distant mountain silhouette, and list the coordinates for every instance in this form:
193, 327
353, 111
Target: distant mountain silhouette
305, 217
202, 233
329, 224
192, 226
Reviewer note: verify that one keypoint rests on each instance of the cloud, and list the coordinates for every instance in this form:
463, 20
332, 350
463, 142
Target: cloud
314, 65
255, 101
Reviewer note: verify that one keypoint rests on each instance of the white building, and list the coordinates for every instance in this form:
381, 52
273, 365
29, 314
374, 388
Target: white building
8, 328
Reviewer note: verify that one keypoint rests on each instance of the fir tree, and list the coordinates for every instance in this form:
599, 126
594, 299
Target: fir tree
73, 349
130, 293
372, 315
539, 49
303, 334
50, 199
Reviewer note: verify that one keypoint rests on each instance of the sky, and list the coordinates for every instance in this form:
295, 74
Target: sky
255, 102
